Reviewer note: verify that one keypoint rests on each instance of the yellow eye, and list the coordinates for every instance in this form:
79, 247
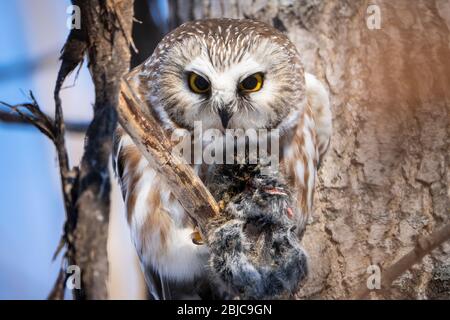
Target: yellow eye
198, 84
252, 83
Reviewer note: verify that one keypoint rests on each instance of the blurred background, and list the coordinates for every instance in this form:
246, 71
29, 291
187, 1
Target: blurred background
32, 33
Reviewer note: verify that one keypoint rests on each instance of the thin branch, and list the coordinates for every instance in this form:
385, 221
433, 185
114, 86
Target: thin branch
154, 144
57, 292
12, 118
31, 113
423, 247
72, 55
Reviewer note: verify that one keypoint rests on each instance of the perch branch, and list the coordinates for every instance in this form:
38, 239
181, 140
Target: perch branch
154, 144
423, 246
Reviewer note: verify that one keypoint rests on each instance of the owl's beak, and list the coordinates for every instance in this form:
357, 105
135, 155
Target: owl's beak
225, 117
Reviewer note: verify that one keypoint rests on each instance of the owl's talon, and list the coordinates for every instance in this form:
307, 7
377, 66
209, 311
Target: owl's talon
221, 204
197, 238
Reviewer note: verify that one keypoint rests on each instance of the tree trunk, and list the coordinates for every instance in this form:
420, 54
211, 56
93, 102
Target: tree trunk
386, 178
104, 37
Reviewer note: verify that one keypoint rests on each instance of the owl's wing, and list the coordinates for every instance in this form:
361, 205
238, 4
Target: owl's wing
179, 256
154, 283
319, 102
310, 142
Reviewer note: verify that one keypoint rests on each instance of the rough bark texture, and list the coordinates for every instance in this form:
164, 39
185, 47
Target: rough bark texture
108, 29
386, 178
105, 38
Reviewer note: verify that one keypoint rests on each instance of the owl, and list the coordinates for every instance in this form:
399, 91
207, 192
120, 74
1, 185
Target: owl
225, 74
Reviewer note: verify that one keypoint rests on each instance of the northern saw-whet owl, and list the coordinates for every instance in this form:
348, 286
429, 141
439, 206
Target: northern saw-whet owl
227, 74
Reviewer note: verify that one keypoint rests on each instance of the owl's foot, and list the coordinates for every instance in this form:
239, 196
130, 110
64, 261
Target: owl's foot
197, 238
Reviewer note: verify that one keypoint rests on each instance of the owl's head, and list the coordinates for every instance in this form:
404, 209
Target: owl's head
226, 73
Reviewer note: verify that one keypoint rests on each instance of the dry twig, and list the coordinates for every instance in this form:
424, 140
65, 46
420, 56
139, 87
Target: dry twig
12, 118
423, 247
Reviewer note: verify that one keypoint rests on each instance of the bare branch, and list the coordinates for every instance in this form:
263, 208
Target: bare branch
31, 113
57, 292
12, 118
423, 247
154, 144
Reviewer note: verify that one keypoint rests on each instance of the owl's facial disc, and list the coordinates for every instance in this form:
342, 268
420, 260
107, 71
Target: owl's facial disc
229, 76
224, 99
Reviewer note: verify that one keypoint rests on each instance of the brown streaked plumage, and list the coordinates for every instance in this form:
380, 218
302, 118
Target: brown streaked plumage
224, 52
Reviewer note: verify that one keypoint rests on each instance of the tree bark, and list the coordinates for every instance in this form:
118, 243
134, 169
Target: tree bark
105, 38
107, 26
386, 178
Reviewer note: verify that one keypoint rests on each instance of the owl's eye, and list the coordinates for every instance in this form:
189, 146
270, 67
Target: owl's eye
198, 84
252, 83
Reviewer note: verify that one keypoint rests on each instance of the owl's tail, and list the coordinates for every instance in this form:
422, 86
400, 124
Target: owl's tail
319, 101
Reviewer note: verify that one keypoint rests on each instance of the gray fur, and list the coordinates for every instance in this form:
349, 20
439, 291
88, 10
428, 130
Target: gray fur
255, 251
